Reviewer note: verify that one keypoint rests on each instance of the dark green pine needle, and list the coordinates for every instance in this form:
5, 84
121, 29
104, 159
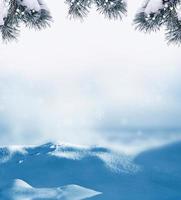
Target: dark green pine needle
112, 9
18, 14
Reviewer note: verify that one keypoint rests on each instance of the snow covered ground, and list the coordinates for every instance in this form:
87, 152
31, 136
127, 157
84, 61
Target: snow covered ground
20, 190
68, 172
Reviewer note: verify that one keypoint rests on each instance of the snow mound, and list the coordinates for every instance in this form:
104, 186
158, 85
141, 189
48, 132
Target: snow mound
75, 192
20, 190
18, 183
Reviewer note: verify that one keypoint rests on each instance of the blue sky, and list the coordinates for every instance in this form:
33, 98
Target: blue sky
77, 80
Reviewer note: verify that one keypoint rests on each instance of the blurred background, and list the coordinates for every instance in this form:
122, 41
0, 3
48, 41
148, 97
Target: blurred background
96, 82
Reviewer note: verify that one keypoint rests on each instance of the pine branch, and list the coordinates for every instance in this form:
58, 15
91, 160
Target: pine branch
153, 21
10, 29
166, 13
165, 16
112, 9
78, 8
173, 29
19, 13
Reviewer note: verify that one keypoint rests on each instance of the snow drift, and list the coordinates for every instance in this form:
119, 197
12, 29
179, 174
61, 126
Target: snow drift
117, 176
20, 190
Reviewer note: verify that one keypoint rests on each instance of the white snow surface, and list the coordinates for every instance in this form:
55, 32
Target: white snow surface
178, 10
43, 4
153, 6
33, 4
115, 161
6, 153
16, 148
20, 190
3, 11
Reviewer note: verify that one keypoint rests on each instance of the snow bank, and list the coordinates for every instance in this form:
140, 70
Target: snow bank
20, 190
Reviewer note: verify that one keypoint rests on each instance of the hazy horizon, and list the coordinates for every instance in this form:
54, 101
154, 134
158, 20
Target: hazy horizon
76, 81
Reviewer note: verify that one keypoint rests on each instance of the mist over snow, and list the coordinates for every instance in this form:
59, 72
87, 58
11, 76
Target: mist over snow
96, 82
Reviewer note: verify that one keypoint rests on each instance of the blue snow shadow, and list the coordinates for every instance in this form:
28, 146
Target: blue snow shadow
158, 179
